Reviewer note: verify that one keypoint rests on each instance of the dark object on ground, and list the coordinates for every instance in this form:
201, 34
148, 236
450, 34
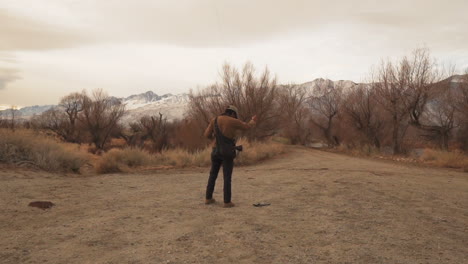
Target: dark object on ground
42, 204
261, 204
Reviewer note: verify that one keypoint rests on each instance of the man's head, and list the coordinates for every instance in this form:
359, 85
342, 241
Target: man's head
231, 111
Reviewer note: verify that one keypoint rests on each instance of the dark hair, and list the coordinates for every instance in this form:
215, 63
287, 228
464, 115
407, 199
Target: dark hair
230, 112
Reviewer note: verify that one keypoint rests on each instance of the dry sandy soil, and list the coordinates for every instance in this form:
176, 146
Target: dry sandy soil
325, 208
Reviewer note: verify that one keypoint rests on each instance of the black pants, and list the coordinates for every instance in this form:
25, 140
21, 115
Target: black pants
228, 165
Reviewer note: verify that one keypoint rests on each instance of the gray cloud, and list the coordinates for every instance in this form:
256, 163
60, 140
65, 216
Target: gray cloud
209, 23
105, 42
23, 33
7, 57
8, 75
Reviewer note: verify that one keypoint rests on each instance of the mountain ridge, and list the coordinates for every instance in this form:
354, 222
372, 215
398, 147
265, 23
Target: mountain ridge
173, 106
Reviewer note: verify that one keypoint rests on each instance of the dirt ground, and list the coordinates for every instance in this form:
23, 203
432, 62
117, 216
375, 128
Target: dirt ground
325, 208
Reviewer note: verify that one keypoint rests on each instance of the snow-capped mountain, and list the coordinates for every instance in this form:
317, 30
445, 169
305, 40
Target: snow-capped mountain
27, 112
320, 82
171, 106
148, 103
174, 106
138, 100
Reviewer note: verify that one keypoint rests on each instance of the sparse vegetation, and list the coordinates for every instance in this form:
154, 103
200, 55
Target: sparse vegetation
119, 160
28, 148
184, 158
258, 151
363, 150
439, 158
408, 104
124, 160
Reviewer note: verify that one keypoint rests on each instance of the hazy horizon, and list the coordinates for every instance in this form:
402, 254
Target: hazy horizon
55, 47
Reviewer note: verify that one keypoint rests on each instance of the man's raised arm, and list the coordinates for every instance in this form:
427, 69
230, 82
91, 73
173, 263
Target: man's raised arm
243, 125
209, 130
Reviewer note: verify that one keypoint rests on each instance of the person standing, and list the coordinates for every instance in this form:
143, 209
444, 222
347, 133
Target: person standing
223, 128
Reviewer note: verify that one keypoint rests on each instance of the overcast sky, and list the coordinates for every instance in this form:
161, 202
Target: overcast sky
50, 48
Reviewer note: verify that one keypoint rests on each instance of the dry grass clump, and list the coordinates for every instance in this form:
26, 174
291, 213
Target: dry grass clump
258, 151
27, 147
184, 158
124, 160
119, 160
253, 152
445, 159
359, 150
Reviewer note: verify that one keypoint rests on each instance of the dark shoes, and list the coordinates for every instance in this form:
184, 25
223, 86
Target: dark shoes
229, 205
210, 201
226, 205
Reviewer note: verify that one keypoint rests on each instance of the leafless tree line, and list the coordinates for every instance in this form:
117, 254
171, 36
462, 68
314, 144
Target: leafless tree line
148, 128
81, 118
9, 118
410, 96
411, 93
95, 119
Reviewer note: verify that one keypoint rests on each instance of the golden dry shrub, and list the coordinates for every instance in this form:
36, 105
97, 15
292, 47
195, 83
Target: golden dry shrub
30, 148
119, 160
183, 158
257, 151
453, 159
253, 152
125, 160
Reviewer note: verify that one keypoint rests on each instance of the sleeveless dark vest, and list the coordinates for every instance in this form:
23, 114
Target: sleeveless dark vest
225, 147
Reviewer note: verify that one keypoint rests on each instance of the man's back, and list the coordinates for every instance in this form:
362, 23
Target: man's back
228, 126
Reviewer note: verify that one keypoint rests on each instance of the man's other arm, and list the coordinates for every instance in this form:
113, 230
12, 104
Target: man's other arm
209, 130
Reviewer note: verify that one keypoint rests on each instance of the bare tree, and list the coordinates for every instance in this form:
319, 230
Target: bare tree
101, 115
295, 116
204, 104
14, 113
3, 119
390, 86
428, 98
54, 120
461, 103
325, 104
149, 127
72, 105
463, 98
254, 95
361, 109
438, 119
419, 74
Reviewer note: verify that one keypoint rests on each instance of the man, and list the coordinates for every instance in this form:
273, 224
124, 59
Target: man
226, 124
